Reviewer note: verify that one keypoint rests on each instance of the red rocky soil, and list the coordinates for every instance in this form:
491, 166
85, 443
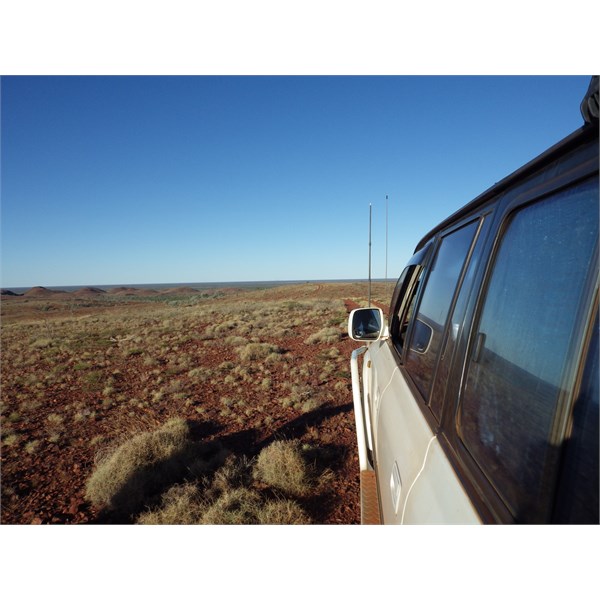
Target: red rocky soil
48, 485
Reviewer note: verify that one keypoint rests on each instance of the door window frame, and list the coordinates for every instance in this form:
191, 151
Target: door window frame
474, 478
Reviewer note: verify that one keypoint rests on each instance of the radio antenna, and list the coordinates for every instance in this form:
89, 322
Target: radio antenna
369, 254
386, 236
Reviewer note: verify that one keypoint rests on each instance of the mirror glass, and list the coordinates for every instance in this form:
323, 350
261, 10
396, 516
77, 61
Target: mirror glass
366, 324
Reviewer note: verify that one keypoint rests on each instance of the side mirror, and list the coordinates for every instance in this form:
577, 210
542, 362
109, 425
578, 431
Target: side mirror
365, 324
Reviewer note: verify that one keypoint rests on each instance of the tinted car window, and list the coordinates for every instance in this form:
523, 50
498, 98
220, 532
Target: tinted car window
406, 290
435, 304
578, 493
521, 363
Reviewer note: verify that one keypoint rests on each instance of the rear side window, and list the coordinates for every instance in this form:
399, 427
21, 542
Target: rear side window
522, 357
436, 300
578, 493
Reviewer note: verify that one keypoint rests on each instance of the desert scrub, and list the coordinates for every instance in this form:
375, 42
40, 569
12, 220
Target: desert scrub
180, 505
235, 340
311, 404
238, 506
230, 499
55, 421
31, 447
175, 386
200, 374
243, 506
93, 381
333, 353
283, 512
257, 351
227, 498
328, 335
143, 466
42, 342
14, 417
302, 397
342, 385
281, 465
227, 401
11, 439
150, 361
134, 352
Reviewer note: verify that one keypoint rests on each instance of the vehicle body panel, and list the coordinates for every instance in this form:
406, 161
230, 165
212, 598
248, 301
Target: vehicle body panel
417, 373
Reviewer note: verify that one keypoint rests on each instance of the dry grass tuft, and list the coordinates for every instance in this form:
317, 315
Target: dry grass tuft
238, 506
143, 466
227, 499
181, 505
257, 350
283, 512
282, 466
328, 335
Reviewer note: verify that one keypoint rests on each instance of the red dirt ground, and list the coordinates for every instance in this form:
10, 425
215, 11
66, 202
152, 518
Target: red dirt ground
48, 486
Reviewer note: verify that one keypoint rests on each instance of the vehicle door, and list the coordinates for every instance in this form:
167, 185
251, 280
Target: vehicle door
421, 326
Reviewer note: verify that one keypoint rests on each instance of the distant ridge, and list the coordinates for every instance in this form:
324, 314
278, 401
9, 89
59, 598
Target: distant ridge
187, 287
90, 292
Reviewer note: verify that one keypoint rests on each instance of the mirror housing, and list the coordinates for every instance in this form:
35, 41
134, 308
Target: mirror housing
366, 324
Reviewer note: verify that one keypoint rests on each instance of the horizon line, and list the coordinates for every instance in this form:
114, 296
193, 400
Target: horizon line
202, 284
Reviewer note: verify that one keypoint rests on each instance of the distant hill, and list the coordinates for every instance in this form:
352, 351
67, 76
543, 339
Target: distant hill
42, 292
122, 291
89, 291
180, 290
9, 293
132, 291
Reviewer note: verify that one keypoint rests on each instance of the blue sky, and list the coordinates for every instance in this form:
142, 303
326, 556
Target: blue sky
125, 180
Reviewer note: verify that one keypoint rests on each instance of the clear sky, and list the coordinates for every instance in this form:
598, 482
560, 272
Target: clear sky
125, 180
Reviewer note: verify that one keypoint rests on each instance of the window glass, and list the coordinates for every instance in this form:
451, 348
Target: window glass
455, 325
435, 303
520, 357
407, 287
578, 494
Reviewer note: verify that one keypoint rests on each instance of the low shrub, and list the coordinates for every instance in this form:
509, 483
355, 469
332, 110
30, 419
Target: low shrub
238, 506
311, 404
283, 512
257, 351
282, 466
180, 505
235, 340
226, 499
328, 335
11, 439
143, 466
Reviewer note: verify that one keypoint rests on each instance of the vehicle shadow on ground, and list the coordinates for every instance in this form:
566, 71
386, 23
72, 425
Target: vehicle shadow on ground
201, 458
